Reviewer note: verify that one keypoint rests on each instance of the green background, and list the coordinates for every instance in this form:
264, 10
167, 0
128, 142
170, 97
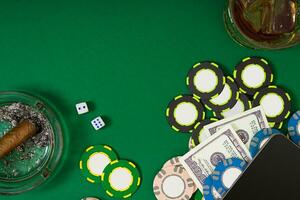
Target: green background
128, 59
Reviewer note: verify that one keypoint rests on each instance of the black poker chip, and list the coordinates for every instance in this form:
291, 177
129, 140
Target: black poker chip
241, 105
275, 102
205, 80
252, 74
184, 112
276, 125
198, 130
226, 99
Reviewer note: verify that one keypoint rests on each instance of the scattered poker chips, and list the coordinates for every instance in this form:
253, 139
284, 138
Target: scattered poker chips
275, 101
226, 173
196, 137
242, 104
205, 80
184, 112
224, 100
261, 138
100, 165
253, 74
94, 160
209, 190
294, 128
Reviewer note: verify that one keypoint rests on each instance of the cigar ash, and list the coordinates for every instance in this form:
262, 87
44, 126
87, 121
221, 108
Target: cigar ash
28, 156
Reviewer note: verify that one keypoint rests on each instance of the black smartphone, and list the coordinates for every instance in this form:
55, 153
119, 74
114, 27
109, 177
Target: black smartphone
274, 174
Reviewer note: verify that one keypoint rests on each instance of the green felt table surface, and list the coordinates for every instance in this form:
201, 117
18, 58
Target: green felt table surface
128, 59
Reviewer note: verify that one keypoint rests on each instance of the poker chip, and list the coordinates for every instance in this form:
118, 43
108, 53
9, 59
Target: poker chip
120, 179
94, 160
209, 190
294, 127
275, 102
173, 182
226, 173
197, 136
226, 99
198, 195
205, 80
184, 112
173, 162
261, 138
241, 105
191, 143
276, 125
253, 74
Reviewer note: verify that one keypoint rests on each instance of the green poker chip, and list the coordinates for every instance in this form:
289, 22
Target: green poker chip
121, 179
94, 160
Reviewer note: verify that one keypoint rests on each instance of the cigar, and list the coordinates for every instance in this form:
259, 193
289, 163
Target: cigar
16, 136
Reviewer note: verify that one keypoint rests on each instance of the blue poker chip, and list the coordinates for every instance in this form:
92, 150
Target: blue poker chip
226, 173
209, 191
261, 138
294, 128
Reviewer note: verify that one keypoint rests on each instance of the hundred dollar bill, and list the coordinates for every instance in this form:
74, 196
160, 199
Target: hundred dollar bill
202, 160
246, 124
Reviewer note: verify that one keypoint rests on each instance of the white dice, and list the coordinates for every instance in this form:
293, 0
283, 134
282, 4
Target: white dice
98, 123
82, 108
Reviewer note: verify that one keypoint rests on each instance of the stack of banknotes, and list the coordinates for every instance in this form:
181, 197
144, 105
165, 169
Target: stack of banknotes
224, 139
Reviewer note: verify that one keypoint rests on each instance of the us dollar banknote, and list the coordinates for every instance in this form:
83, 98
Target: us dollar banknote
202, 160
246, 124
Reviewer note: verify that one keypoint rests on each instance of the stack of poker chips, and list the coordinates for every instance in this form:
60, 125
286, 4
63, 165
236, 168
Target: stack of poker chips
251, 85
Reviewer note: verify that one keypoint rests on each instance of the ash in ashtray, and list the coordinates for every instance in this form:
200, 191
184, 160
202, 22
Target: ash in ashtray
13, 114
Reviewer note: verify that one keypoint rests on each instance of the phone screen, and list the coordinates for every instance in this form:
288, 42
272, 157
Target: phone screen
274, 174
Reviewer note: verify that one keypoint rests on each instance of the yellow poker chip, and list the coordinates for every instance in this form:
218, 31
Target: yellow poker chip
121, 179
94, 160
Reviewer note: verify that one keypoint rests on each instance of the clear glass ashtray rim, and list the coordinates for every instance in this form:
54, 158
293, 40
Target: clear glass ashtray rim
46, 170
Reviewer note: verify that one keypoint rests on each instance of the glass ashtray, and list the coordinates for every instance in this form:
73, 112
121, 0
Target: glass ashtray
33, 162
